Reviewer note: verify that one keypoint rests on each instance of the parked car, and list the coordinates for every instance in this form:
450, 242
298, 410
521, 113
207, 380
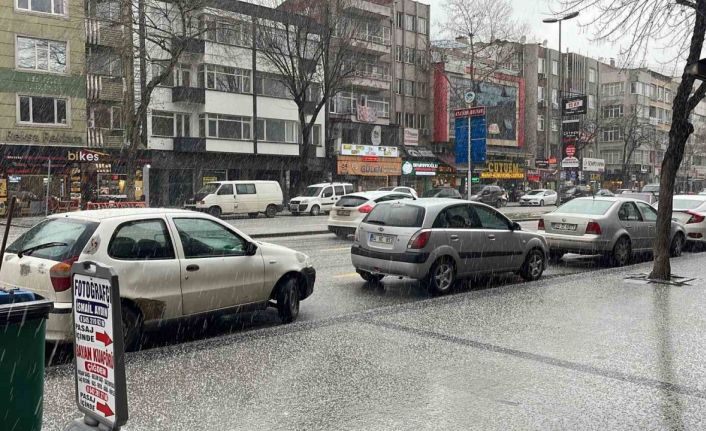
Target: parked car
491, 195
621, 191
616, 227
539, 197
401, 189
318, 198
351, 209
438, 241
651, 188
574, 192
239, 197
442, 192
690, 211
604, 192
170, 263
703, 192
648, 197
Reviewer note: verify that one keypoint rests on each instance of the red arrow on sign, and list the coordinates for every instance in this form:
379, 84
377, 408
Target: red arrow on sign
105, 409
104, 338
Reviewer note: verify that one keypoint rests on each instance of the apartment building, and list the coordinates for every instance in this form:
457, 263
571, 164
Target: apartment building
224, 113
635, 118
692, 173
42, 101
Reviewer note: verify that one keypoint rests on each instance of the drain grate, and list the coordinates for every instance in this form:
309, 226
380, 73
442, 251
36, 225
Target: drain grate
676, 280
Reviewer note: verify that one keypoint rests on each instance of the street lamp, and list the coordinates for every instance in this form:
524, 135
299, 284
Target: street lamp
561, 76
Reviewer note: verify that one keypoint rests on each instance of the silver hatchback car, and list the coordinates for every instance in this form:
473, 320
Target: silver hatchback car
440, 240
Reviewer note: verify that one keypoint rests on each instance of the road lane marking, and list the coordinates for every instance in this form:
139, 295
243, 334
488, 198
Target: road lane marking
335, 249
346, 275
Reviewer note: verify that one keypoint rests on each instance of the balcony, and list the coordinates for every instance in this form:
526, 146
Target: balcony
104, 138
189, 145
369, 9
108, 88
192, 45
101, 32
370, 81
189, 95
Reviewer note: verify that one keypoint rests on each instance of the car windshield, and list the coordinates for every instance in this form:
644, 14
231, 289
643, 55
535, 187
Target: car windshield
651, 188
585, 206
72, 232
687, 204
431, 193
351, 201
396, 214
312, 191
535, 192
208, 188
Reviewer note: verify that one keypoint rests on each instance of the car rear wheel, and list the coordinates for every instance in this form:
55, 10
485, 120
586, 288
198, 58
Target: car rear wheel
533, 267
215, 211
271, 211
288, 301
315, 210
622, 252
441, 277
132, 326
677, 245
370, 277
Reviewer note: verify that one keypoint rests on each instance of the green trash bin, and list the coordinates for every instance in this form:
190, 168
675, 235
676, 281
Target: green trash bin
22, 328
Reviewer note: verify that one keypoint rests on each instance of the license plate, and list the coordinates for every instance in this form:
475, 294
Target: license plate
382, 239
564, 226
343, 212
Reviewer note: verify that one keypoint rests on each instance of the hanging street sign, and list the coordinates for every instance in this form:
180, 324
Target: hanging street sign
575, 105
469, 96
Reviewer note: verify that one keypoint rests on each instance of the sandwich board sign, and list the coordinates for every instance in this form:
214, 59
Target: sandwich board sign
98, 342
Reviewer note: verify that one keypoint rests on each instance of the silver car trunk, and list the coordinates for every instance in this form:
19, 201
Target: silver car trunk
385, 238
566, 224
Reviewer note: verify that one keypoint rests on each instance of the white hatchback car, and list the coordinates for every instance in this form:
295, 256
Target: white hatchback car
170, 264
690, 211
351, 209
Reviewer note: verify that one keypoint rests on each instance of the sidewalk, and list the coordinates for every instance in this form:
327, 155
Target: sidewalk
565, 353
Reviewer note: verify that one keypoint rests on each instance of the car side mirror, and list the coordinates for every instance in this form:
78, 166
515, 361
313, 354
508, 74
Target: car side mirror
250, 249
515, 226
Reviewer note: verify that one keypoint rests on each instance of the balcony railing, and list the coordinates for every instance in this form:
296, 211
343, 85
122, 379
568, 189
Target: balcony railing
189, 95
187, 144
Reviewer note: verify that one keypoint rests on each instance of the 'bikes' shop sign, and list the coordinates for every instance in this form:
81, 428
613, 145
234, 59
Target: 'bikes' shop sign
503, 171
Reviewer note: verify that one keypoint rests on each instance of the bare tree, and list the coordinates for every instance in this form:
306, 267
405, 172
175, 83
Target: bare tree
309, 46
484, 31
153, 32
635, 133
641, 24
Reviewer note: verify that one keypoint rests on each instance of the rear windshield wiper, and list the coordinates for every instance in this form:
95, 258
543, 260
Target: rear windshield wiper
380, 222
30, 250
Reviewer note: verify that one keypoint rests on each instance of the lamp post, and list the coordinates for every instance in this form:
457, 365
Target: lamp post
561, 84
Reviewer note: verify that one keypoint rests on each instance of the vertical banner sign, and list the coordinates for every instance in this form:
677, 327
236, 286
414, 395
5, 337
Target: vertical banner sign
99, 351
478, 134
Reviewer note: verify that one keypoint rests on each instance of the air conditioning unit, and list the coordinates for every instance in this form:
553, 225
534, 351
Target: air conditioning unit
541, 75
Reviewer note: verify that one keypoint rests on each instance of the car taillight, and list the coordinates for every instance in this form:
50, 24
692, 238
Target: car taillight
60, 275
695, 217
365, 209
593, 228
419, 240
540, 224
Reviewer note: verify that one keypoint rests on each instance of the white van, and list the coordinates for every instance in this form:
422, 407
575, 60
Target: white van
319, 198
240, 197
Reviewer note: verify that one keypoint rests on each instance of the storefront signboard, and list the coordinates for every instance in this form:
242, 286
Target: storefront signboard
503, 171
570, 162
533, 176
84, 155
369, 150
411, 136
349, 165
593, 165
575, 105
541, 164
420, 168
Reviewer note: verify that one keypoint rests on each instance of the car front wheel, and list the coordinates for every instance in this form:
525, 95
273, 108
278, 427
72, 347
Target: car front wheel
288, 301
315, 210
215, 211
533, 267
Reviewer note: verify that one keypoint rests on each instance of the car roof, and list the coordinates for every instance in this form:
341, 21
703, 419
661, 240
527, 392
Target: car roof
98, 215
372, 194
329, 184
616, 198
691, 197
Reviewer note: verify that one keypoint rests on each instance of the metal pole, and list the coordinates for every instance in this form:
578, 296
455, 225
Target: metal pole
10, 210
470, 162
561, 117
46, 201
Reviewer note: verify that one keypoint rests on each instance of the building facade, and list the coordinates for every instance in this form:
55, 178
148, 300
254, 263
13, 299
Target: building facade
42, 101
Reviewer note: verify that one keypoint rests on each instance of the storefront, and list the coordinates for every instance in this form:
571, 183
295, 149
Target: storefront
427, 174
369, 172
66, 174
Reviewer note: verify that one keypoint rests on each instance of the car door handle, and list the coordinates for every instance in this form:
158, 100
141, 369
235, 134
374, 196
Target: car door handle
628, 226
491, 237
192, 268
454, 237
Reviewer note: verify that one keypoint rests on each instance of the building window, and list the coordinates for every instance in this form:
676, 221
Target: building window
555, 125
116, 118
410, 23
54, 7
170, 124
271, 86
408, 87
182, 75
421, 58
398, 118
422, 25
613, 111
540, 94
422, 121
400, 19
591, 75
612, 157
225, 78
540, 65
667, 95
42, 110
398, 53
398, 86
421, 89
409, 120
636, 87
104, 61
611, 134
41, 54
226, 31
540, 123
591, 101
555, 97
271, 130
224, 126
612, 89
315, 135
409, 55
555, 67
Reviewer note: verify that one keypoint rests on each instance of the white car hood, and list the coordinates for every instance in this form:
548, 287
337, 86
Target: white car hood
273, 250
